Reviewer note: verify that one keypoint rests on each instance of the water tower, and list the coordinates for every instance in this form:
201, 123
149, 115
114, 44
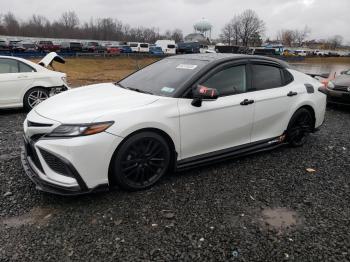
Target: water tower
204, 27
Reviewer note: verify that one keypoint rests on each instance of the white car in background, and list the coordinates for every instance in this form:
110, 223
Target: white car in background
177, 113
26, 84
168, 46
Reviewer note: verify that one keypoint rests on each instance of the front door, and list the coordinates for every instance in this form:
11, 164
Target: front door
220, 124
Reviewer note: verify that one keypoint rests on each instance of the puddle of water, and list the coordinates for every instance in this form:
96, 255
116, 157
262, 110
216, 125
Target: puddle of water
37, 216
280, 218
321, 68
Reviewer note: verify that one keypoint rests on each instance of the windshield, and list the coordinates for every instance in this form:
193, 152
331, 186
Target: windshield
163, 77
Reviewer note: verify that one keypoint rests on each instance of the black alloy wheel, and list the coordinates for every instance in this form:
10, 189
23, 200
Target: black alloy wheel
299, 128
141, 161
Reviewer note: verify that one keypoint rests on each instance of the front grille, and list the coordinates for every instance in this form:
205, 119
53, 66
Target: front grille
55, 163
36, 137
31, 152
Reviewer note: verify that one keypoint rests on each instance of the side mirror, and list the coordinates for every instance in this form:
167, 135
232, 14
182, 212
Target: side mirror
203, 93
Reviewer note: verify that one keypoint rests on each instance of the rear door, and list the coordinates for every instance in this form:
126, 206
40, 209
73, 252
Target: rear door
220, 124
274, 94
15, 77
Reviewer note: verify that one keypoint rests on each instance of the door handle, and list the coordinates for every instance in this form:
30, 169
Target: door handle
22, 77
291, 93
246, 102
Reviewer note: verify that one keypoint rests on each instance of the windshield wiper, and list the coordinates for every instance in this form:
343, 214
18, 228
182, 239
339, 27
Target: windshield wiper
139, 90
134, 89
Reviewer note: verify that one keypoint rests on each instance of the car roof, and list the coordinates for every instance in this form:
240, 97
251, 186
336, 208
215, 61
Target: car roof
221, 57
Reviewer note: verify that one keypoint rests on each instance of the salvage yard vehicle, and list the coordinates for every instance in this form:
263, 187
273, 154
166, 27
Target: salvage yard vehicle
47, 46
338, 89
71, 47
93, 47
26, 84
168, 46
180, 112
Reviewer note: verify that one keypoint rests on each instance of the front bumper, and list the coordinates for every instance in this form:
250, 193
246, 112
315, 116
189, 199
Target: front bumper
33, 169
337, 97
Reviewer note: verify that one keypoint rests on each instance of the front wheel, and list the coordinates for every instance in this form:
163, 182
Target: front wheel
300, 126
140, 161
34, 97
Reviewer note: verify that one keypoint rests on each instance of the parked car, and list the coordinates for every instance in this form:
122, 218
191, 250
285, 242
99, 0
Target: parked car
188, 48
26, 84
4, 45
71, 47
113, 49
156, 50
93, 47
47, 46
13, 44
338, 89
17, 47
29, 47
125, 49
168, 46
177, 113
134, 46
143, 48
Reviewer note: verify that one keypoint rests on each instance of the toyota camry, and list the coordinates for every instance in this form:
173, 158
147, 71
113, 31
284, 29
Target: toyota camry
179, 112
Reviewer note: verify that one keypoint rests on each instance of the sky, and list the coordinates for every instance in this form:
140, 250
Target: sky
325, 18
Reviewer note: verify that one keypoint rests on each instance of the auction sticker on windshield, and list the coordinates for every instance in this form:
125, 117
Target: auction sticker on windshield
184, 66
167, 89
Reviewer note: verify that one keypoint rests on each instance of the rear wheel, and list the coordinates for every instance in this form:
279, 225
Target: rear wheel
34, 97
300, 126
141, 161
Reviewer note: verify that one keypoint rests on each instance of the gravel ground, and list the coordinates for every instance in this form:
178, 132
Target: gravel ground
265, 207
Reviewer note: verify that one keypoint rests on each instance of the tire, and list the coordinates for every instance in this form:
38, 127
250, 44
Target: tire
34, 97
140, 161
299, 127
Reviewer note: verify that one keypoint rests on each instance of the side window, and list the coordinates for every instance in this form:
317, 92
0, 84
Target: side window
229, 81
288, 77
8, 66
265, 77
23, 68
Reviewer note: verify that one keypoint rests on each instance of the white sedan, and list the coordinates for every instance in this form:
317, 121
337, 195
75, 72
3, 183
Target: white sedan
177, 113
26, 84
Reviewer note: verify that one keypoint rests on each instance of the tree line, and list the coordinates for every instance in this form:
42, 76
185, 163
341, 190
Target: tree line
247, 28
69, 26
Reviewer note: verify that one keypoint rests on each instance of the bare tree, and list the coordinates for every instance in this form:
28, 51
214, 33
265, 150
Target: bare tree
177, 35
230, 32
334, 42
301, 35
69, 20
245, 29
250, 26
11, 24
287, 37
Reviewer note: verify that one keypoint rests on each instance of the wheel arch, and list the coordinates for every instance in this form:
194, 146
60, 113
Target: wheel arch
311, 110
158, 131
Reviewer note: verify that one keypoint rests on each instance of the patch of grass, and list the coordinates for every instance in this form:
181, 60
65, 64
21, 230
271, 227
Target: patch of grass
86, 71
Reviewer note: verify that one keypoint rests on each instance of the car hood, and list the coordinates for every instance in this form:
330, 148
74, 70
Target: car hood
85, 104
342, 80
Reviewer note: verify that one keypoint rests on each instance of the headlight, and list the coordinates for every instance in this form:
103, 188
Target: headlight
330, 85
79, 129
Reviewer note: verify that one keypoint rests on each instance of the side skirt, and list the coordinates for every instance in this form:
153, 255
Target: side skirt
238, 151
